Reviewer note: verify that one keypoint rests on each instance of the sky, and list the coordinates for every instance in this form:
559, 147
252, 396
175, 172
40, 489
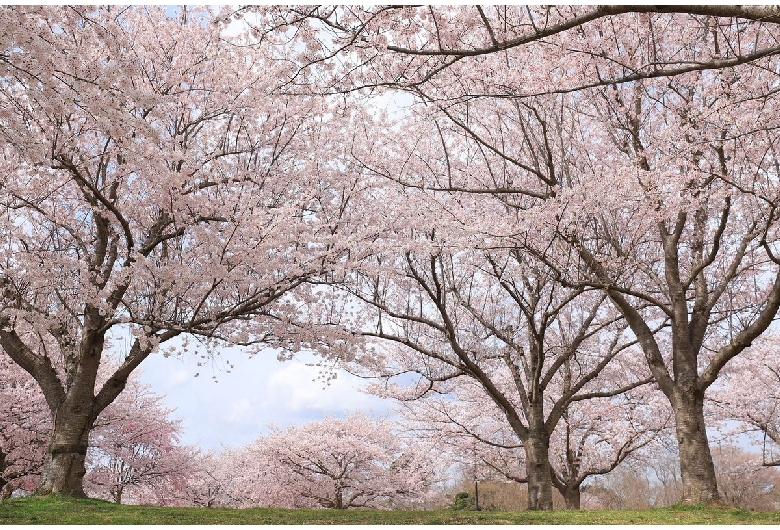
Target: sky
219, 409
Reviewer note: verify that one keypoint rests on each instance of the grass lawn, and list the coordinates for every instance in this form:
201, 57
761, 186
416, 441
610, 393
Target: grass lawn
62, 510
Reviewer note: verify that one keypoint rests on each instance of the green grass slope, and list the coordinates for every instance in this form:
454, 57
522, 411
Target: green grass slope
62, 510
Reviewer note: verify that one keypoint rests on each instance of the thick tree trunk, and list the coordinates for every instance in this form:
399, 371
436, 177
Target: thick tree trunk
63, 470
696, 467
538, 472
537, 461
72, 403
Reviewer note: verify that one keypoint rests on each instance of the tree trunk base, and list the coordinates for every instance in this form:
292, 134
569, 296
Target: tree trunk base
64, 473
697, 471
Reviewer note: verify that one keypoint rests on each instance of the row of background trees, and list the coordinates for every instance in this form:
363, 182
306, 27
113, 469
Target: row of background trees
573, 224
423, 459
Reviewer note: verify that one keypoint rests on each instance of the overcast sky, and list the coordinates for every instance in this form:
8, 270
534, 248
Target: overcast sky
239, 406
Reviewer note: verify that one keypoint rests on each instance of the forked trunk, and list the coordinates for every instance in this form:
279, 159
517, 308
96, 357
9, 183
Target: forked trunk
572, 498
567, 483
697, 471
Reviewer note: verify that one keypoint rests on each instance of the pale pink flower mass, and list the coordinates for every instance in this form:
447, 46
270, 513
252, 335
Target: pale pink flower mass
540, 244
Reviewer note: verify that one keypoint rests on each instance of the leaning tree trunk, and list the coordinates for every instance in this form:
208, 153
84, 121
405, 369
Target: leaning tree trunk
697, 469
537, 461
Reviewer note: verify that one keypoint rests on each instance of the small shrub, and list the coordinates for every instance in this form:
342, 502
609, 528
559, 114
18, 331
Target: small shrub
462, 501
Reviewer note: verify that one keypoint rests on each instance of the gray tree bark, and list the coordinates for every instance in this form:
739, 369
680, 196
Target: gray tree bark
537, 458
572, 497
697, 470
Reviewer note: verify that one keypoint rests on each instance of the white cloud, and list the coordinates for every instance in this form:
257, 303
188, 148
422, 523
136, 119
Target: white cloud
258, 392
298, 387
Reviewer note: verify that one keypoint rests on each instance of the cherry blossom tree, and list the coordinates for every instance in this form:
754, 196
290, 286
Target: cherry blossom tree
134, 444
691, 235
593, 437
451, 292
664, 189
205, 481
153, 184
748, 393
335, 463
216, 479
135, 448
599, 435
499, 48
24, 426
161, 181
443, 311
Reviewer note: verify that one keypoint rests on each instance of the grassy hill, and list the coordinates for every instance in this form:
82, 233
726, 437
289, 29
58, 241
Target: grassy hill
60, 510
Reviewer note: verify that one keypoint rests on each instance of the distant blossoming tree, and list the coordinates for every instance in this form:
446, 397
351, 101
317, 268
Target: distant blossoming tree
335, 463
135, 449
24, 429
